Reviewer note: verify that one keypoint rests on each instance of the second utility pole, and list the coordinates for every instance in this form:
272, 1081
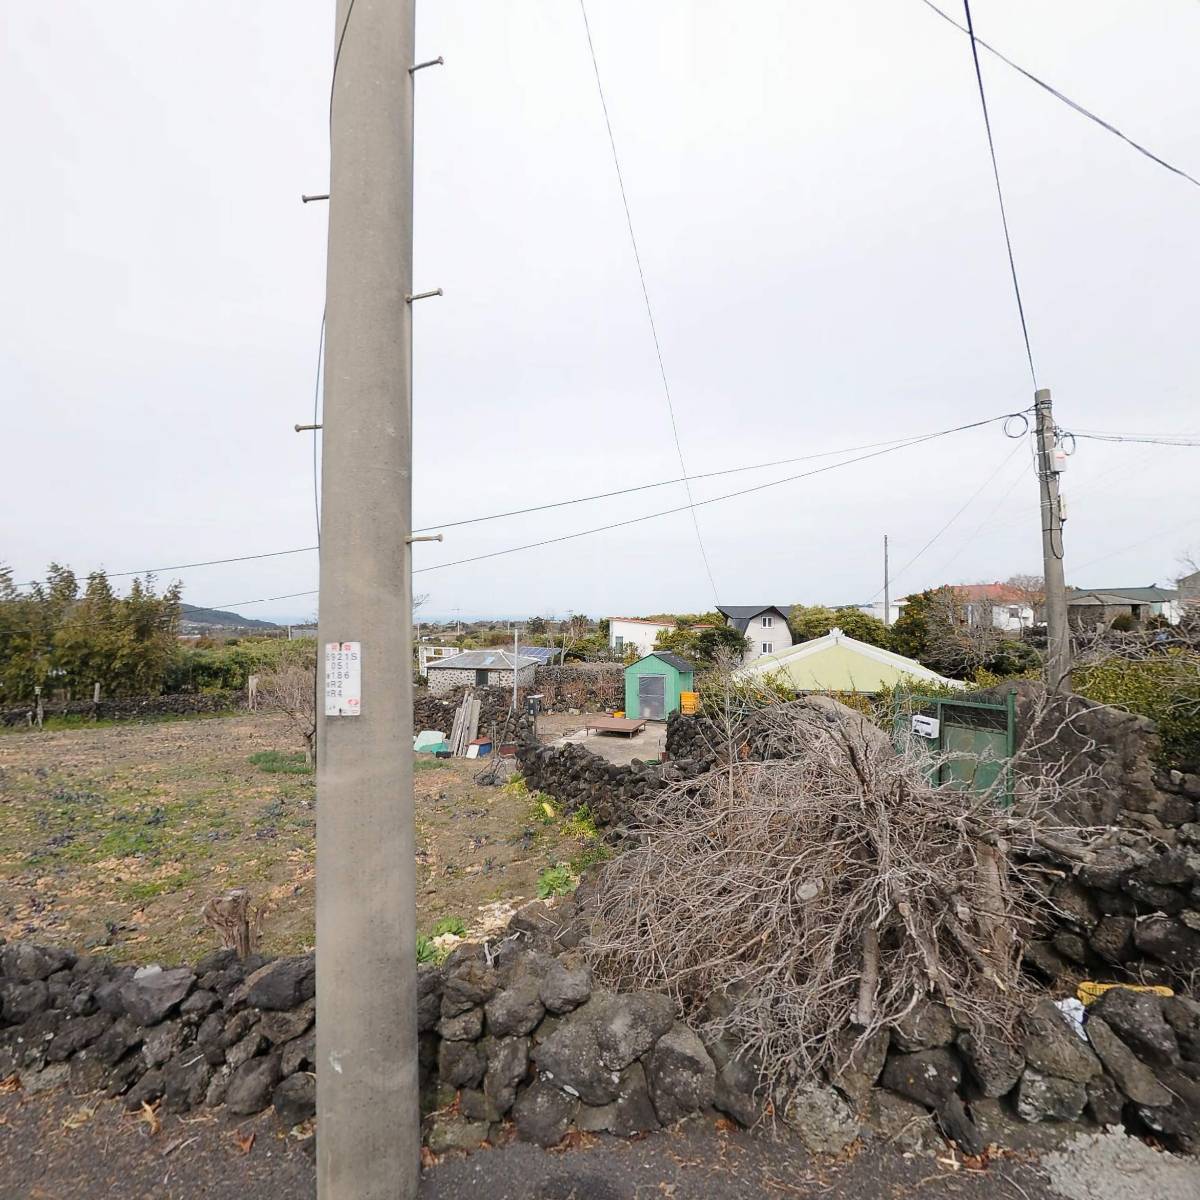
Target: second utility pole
887, 586
367, 1103
1058, 637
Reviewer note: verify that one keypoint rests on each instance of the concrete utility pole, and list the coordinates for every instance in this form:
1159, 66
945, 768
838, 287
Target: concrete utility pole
887, 591
367, 1103
1058, 648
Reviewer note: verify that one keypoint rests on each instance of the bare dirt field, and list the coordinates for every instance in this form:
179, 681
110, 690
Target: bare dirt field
116, 835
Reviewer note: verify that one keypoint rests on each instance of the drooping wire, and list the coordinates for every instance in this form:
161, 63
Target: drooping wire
316, 419
1012, 265
760, 487
1079, 108
970, 500
895, 443
637, 258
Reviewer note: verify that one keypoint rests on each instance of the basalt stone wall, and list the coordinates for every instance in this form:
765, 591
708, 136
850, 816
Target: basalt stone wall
437, 712
575, 776
519, 1038
131, 707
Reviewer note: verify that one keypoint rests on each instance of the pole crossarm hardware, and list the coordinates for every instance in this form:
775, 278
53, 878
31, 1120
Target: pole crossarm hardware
303, 428
431, 62
306, 199
422, 295
432, 537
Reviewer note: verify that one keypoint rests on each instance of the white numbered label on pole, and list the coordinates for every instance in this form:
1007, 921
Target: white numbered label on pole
343, 679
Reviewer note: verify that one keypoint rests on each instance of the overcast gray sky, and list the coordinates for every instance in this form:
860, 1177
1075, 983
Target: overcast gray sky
813, 197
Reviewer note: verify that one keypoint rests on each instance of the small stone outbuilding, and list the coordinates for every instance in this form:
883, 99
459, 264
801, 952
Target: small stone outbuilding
480, 668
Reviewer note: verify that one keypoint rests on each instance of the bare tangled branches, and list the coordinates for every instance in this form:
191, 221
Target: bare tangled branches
292, 690
828, 887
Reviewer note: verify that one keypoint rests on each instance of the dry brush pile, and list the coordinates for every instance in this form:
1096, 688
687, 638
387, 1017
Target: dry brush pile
832, 888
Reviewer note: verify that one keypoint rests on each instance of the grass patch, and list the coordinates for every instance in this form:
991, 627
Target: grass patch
280, 762
428, 951
597, 852
430, 764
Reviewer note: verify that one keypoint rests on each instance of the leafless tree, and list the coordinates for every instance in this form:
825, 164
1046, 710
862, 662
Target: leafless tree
292, 690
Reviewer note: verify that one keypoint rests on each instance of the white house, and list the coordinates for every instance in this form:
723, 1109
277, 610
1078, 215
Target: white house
632, 632
996, 604
480, 668
764, 625
875, 609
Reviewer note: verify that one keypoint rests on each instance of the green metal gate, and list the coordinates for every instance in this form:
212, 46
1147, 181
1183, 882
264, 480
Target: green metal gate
974, 742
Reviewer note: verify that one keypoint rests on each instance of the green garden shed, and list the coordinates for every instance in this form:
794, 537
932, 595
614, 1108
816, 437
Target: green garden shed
653, 684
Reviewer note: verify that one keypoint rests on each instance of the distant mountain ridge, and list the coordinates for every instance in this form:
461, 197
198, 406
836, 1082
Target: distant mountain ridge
192, 619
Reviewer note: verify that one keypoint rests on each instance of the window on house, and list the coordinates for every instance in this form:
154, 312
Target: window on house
768, 622
768, 647
619, 643
1014, 612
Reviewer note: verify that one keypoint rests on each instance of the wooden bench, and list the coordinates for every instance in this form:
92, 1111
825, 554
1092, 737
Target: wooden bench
626, 725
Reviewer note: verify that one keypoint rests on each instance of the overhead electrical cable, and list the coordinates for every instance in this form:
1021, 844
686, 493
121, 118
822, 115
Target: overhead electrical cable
970, 500
894, 443
1079, 108
637, 258
987, 123
760, 487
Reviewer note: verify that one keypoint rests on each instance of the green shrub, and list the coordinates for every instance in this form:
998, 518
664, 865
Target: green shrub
1165, 688
427, 952
808, 621
454, 925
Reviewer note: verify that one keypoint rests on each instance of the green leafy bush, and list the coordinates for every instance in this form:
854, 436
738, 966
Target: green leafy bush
808, 621
1165, 688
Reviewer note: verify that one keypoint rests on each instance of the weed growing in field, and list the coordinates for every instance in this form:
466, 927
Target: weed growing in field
278, 762
556, 881
582, 825
434, 947
595, 852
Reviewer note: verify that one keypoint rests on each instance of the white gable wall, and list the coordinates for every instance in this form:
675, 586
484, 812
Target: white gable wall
639, 634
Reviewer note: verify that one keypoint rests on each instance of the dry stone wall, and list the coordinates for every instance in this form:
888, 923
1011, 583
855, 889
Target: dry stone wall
131, 707
521, 1036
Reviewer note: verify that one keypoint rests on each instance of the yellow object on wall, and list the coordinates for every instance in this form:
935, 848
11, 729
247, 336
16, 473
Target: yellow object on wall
1088, 991
689, 703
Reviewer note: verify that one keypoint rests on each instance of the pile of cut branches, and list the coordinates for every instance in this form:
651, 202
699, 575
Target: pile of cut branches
831, 887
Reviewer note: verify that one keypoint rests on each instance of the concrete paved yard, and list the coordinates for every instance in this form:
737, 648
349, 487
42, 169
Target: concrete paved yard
617, 747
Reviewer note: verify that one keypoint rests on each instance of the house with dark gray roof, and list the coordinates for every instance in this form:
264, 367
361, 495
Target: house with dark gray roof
1097, 608
764, 625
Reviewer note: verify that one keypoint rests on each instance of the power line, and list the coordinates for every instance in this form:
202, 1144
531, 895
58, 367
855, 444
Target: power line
970, 500
637, 258
643, 487
999, 190
1079, 108
711, 500
1170, 529
896, 443
1134, 437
